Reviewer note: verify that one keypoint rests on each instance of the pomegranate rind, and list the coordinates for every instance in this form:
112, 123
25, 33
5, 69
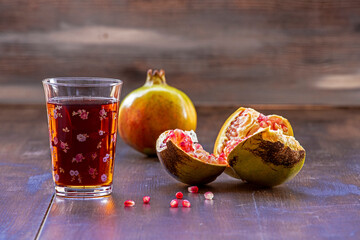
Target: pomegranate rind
183, 167
247, 126
268, 158
217, 146
223, 129
250, 122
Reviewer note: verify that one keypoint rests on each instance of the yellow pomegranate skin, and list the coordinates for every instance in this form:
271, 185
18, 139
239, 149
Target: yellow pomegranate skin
267, 158
151, 109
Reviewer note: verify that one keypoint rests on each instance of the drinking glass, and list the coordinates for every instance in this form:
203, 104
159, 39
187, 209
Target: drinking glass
82, 118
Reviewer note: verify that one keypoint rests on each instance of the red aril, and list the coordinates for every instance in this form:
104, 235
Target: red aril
174, 203
186, 203
179, 195
193, 189
129, 203
146, 199
208, 195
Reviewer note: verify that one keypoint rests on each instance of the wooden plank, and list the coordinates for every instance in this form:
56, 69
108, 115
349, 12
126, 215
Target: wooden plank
218, 52
322, 202
25, 171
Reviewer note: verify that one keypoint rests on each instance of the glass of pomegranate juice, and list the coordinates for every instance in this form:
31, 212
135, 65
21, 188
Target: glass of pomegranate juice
82, 117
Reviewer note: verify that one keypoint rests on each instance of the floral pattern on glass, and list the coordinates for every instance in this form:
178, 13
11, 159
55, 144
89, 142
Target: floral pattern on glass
78, 158
64, 146
103, 114
93, 172
83, 114
74, 142
103, 177
75, 174
56, 112
106, 158
82, 137
53, 153
56, 177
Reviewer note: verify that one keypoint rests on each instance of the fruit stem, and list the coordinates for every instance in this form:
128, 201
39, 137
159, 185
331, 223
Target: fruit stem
155, 77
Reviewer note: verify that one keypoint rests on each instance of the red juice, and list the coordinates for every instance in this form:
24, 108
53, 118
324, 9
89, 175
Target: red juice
82, 140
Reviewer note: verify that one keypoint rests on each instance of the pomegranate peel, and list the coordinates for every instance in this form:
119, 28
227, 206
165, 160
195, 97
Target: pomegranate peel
249, 122
184, 167
243, 124
268, 158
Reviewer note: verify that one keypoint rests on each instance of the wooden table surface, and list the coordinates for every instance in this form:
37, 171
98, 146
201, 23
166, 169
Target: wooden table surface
321, 202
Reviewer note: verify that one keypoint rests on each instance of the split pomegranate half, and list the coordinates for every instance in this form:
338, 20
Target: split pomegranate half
186, 160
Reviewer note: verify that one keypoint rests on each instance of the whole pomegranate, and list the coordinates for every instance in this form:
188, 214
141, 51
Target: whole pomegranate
151, 109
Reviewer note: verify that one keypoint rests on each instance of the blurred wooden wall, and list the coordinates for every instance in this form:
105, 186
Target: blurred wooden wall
218, 52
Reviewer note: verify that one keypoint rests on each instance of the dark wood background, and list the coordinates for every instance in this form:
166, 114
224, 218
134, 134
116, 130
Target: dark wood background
218, 52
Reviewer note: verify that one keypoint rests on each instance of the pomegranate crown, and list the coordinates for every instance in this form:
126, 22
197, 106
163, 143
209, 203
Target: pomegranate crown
155, 77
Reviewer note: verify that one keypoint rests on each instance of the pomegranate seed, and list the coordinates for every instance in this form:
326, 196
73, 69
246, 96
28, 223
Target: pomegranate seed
174, 203
197, 146
146, 199
263, 124
262, 117
186, 203
285, 129
193, 189
129, 203
208, 195
179, 195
